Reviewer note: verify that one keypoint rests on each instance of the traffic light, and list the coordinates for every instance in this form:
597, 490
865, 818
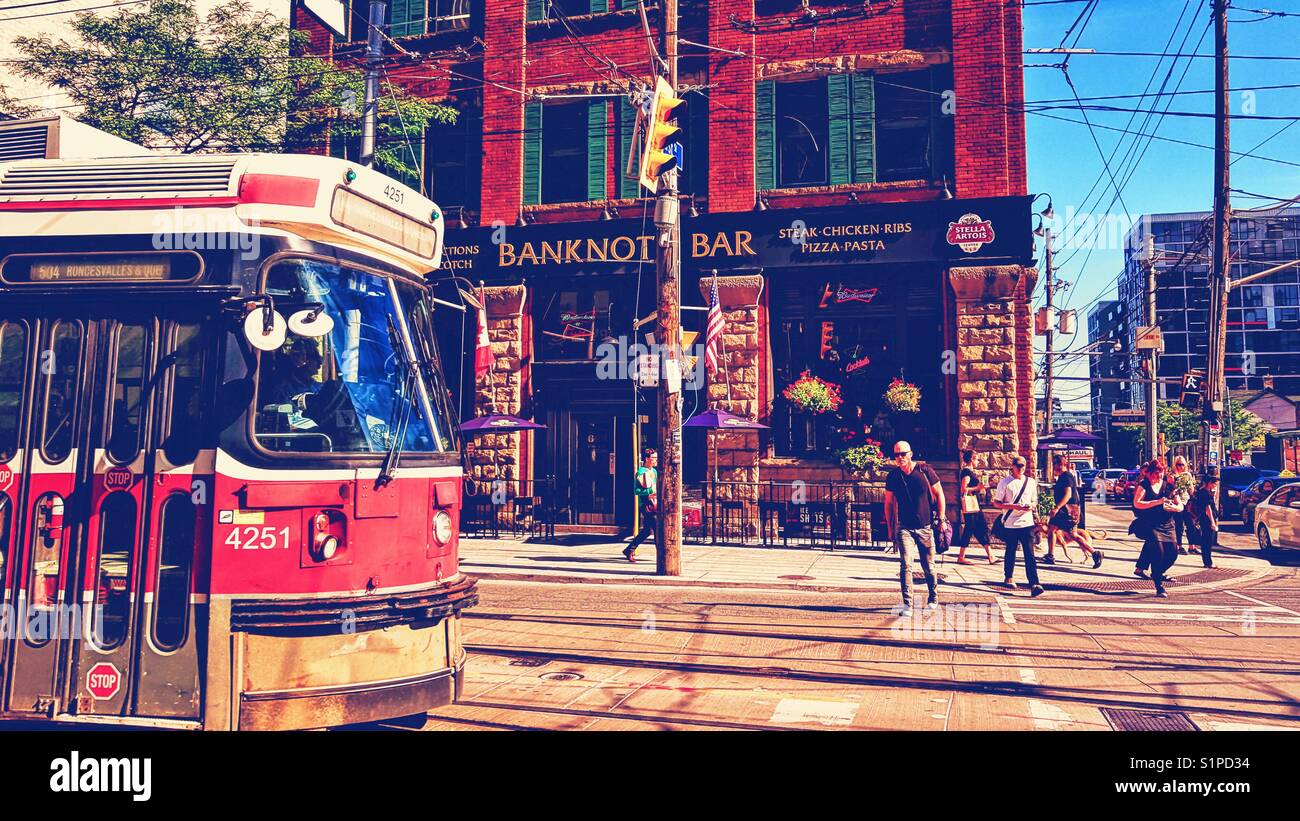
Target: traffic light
828, 339
662, 132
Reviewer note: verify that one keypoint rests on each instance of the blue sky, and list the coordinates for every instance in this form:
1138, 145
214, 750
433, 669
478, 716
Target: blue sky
1064, 161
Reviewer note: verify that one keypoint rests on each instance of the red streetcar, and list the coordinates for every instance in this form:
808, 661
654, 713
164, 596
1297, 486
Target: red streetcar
230, 481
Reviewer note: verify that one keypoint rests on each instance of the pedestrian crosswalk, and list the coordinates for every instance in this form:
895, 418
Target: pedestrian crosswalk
1249, 612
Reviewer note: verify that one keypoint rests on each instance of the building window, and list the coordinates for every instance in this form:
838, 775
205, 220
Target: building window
801, 133
453, 159
913, 135
411, 18
880, 329
853, 128
565, 152
556, 9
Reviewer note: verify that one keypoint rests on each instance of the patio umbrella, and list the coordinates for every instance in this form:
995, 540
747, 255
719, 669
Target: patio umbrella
721, 420
1068, 436
499, 423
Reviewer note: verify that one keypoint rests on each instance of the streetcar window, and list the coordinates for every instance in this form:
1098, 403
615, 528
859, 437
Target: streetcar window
46, 561
127, 403
112, 611
426, 343
13, 361
6, 528
62, 366
175, 556
350, 390
183, 423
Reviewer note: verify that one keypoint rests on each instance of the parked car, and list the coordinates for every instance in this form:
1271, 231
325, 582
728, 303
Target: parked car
1277, 519
1257, 492
1126, 484
1112, 476
1234, 480
1086, 476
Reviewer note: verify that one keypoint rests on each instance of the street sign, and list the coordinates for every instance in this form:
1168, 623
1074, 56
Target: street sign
103, 681
647, 370
1149, 338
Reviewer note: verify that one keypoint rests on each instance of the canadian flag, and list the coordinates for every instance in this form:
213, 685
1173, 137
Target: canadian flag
483, 347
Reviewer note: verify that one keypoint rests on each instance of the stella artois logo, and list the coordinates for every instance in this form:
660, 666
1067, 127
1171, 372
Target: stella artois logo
970, 233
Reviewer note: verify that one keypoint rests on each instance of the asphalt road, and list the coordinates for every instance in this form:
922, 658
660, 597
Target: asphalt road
594, 657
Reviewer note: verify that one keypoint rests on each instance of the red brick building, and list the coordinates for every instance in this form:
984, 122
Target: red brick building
831, 152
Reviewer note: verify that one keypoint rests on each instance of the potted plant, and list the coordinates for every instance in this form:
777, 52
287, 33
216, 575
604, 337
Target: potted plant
903, 397
812, 395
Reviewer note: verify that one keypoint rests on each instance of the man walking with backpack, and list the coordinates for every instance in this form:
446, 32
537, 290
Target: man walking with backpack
913, 495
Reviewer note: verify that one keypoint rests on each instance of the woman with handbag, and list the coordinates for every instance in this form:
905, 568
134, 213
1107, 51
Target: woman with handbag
1018, 496
1064, 520
1155, 503
973, 522
647, 496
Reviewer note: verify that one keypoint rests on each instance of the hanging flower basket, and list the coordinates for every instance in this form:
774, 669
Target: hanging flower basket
903, 397
813, 395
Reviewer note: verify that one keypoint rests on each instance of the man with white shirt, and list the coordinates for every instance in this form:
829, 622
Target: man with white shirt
1018, 496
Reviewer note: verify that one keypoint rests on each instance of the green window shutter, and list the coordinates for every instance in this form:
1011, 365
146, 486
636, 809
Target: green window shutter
837, 110
406, 17
536, 9
597, 143
627, 4
863, 132
599, 6
627, 188
532, 153
765, 135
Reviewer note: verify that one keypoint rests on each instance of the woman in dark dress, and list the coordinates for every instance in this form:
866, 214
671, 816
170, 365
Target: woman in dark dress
1155, 506
973, 522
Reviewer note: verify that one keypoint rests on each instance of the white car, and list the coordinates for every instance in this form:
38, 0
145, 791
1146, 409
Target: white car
1277, 519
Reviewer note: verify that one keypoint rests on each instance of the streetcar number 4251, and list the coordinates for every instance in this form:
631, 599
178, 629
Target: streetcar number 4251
258, 538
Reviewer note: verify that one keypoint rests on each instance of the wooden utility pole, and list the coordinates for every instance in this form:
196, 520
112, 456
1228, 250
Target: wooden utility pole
1049, 344
668, 264
1216, 391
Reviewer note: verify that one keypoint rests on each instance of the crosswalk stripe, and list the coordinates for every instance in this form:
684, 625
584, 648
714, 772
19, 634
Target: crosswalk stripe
1246, 614
1045, 602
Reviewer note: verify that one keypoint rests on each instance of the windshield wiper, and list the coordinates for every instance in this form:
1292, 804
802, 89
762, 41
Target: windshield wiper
397, 426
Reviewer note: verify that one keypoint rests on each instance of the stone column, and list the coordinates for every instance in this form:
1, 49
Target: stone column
498, 455
735, 387
994, 369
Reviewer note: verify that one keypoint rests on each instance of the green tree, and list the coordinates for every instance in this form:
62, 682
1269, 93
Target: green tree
12, 109
237, 80
1245, 432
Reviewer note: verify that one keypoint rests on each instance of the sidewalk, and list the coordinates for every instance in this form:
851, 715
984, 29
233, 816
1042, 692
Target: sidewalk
579, 559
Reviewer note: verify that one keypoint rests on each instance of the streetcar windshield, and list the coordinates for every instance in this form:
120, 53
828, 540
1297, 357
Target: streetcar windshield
352, 390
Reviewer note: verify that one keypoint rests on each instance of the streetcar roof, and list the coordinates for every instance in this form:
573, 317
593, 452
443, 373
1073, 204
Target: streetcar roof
321, 198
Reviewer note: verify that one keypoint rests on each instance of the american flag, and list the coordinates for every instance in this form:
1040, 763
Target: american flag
713, 333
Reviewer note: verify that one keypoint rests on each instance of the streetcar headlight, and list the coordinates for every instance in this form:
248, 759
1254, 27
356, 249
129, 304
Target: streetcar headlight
328, 547
442, 527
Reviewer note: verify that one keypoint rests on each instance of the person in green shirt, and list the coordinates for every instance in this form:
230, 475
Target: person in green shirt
647, 497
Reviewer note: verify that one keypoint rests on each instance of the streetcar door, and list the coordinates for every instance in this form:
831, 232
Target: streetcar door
47, 365
142, 546
111, 523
